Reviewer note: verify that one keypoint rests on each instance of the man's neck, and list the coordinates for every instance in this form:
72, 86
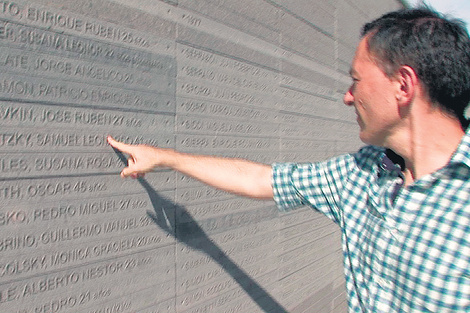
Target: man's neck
427, 144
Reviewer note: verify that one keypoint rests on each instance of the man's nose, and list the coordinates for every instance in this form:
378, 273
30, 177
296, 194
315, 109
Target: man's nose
348, 98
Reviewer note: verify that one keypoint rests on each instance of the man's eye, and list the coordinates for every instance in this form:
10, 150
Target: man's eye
354, 81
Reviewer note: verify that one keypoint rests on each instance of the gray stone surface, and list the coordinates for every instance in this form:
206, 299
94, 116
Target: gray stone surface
260, 79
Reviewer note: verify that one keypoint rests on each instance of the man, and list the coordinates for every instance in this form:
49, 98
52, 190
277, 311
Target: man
403, 202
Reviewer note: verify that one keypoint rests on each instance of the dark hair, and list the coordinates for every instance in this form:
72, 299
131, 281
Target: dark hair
437, 48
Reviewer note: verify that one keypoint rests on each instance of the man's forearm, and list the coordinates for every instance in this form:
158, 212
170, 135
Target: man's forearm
242, 177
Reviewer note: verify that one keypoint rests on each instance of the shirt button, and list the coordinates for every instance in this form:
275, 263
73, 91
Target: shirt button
383, 282
409, 218
383, 307
395, 249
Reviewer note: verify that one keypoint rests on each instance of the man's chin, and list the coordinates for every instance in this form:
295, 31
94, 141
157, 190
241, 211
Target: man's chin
370, 140
367, 138
363, 138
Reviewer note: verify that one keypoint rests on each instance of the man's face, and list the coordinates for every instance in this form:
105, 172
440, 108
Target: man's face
373, 96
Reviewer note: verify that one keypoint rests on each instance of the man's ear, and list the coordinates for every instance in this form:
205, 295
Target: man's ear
407, 85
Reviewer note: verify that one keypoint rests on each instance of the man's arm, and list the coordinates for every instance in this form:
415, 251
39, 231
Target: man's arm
242, 177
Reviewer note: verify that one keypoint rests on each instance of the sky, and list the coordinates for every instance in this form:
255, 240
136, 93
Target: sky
457, 8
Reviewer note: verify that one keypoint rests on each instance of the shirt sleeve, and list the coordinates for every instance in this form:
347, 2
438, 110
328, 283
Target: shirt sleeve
318, 185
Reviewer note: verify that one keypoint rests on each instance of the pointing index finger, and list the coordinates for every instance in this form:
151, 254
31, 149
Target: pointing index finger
119, 145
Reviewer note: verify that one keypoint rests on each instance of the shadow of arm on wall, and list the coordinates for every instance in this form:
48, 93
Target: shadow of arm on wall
161, 217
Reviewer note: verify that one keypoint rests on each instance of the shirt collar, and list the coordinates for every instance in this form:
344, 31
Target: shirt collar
392, 161
462, 154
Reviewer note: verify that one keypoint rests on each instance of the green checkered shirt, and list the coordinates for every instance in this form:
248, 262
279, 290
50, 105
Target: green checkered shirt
406, 249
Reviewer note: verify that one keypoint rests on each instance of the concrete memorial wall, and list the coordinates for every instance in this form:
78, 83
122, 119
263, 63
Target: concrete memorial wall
256, 79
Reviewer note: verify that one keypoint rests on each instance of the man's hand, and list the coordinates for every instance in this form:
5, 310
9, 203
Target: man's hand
142, 158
